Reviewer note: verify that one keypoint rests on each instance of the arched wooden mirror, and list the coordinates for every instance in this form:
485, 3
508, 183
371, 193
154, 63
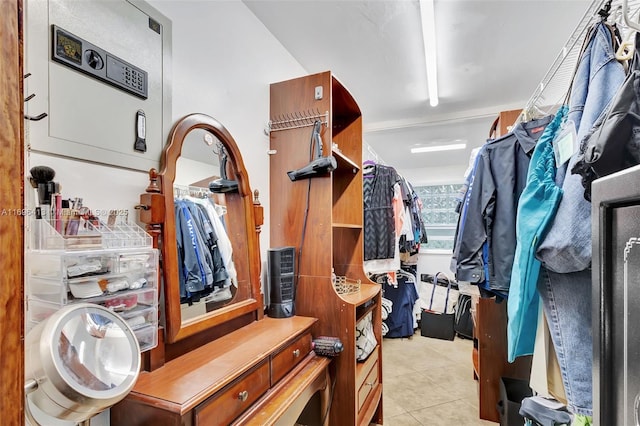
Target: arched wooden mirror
202, 173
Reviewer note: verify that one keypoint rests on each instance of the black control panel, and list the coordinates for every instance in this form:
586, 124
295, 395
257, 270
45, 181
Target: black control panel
79, 54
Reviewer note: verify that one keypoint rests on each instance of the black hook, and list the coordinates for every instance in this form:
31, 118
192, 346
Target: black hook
606, 9
37, 117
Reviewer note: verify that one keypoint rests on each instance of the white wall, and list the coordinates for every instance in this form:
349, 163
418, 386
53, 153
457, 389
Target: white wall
433, 175
223, 62
433, 262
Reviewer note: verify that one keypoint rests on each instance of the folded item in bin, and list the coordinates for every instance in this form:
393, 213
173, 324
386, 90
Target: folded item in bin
136, 321
85, 289
122, 303
118, 284
84, 268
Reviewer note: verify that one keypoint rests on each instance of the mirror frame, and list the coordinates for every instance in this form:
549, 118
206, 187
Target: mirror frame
176, 329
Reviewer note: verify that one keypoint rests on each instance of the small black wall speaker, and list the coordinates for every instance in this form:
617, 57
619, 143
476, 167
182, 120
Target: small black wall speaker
281, 273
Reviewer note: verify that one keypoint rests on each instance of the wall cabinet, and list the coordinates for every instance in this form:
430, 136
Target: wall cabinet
322, 217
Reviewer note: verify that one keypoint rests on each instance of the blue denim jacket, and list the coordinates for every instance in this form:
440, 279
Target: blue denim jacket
567, 245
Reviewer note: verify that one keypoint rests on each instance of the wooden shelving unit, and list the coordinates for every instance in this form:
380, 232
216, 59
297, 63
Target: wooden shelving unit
333, 238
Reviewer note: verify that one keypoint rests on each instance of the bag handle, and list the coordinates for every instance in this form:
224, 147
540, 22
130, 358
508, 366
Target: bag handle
433, 291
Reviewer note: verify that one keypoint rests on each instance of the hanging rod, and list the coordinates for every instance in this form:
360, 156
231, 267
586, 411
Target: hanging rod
180, 191
297, 120
555, 83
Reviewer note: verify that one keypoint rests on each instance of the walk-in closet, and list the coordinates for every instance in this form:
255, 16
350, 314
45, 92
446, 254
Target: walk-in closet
320, 213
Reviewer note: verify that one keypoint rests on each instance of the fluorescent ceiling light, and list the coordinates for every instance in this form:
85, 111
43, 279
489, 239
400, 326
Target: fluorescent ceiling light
427, 16
436, 148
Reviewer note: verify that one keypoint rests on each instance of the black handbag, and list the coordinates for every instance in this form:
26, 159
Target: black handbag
614, 143
439, 325
463, 324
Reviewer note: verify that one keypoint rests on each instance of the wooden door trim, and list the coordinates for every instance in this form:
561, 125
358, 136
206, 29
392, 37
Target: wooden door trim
11, 218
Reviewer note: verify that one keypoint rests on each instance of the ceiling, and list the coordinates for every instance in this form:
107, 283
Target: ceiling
491, 56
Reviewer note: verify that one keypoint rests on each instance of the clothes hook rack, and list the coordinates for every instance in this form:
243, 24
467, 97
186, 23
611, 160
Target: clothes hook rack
296, 120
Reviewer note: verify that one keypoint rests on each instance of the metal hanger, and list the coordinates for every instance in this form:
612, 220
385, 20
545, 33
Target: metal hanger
627, 18
627, 47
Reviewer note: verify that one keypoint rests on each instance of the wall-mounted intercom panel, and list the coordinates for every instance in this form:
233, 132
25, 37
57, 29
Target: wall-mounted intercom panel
100, 72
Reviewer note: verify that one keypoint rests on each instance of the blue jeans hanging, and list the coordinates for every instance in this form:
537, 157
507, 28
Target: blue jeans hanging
568, 313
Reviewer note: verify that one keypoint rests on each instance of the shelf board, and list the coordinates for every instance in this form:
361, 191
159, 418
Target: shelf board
347, 225
367, 292
344, 161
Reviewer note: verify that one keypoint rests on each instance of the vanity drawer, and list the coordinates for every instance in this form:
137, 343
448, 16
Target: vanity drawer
289, 357
370, 381
229, 403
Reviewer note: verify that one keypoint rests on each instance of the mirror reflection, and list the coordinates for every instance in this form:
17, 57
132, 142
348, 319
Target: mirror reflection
208, 239
207, 272
95, 351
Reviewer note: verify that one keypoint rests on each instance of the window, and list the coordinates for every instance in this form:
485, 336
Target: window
439, 214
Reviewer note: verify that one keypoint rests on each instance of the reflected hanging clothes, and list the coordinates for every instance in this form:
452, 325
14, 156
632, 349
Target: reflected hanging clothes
201, 265
223, 243
195, 267
536, 208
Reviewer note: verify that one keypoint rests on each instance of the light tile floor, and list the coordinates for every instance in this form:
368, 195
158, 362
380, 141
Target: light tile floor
429, 382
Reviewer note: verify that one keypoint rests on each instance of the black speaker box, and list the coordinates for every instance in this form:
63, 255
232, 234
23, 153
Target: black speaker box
281, 274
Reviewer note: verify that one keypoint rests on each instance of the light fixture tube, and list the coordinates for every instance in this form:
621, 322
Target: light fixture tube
436, 148
427, 16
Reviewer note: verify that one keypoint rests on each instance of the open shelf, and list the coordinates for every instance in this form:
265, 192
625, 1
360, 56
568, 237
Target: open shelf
345, 162
366, 293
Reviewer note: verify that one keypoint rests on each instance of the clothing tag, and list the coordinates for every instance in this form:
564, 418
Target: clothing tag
538, 129
564, 142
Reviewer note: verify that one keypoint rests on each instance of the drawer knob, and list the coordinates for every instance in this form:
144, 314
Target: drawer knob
372, 384
296, 353
243, 396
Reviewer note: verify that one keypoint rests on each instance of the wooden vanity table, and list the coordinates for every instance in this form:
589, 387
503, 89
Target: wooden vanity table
231, 364
264, 370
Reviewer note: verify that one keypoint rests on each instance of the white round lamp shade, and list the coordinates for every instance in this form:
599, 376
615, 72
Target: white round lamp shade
84, 359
